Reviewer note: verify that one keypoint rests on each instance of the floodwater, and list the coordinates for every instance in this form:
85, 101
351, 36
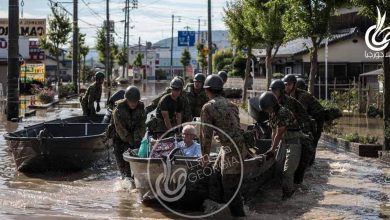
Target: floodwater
340, 185
360, 123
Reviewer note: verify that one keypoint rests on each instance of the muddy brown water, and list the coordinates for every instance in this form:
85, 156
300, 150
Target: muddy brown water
339, 186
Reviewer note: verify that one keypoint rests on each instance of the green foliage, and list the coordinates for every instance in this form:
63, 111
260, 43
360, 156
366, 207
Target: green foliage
222, 60
373, 111
185, 59
87, 73
101, 47
201, 58
65, 90
277, 75
138, 60
346, 100
331, 112
122, 56
239, 64
57, 35
355, 137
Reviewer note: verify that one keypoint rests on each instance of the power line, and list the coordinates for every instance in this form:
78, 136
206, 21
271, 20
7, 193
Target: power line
92, 11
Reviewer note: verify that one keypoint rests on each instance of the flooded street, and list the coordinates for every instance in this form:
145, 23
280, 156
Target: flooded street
340, 185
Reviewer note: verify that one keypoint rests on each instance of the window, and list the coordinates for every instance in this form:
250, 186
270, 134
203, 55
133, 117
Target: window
288, 70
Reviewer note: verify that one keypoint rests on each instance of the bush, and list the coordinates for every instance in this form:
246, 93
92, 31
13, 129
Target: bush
331, 113
46, 95
355, 137
347, 100
65, 90
373, 111
277, 75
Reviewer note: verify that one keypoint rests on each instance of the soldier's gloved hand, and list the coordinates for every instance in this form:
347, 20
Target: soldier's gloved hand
98, 107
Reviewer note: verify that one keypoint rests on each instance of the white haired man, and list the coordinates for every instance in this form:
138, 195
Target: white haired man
188, 146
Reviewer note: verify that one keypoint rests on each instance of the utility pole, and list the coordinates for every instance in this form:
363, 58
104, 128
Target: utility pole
108, 64
210, 40
75, 60
13, 61
126, 26
173, 21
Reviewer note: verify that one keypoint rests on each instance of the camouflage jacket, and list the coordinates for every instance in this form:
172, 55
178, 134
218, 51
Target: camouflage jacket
92, 95
299, 112
311, 104
196, 100
224, 115
129, 122
284, 118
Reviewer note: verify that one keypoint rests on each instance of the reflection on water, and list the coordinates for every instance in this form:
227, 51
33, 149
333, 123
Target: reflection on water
340, 185
351, 123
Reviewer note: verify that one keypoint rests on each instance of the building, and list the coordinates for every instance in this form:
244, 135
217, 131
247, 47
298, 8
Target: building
346, 56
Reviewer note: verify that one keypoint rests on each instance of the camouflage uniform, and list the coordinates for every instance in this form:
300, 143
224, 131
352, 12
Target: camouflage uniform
93, 94
290, 145
127, 122
196, 100
221, 113
305, 123
315, 110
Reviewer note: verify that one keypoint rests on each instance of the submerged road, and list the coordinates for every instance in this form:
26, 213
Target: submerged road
340, 185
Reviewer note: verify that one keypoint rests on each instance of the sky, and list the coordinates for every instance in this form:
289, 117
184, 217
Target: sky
152, 20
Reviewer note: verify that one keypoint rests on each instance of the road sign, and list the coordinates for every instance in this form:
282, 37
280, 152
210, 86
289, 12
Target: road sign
186, 38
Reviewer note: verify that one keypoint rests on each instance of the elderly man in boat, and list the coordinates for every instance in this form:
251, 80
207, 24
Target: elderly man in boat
188, 147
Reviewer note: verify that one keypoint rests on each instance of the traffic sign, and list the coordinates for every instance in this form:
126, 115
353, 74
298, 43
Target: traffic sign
186, 38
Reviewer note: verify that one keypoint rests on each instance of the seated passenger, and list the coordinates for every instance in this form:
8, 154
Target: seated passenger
188, 147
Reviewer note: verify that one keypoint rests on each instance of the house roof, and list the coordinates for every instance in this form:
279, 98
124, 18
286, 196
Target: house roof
301, 45
373, 73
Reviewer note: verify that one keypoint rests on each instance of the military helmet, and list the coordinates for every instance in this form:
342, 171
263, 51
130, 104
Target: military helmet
176, 83
99, 75
132, 93
301, 84
290, 78
214, 82
277, 85
267, 100
223, 75
199, 77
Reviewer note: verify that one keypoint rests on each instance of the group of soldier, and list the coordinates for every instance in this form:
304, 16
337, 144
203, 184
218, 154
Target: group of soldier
296, 120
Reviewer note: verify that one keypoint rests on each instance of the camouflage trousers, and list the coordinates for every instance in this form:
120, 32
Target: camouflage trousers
123, 166
289, 156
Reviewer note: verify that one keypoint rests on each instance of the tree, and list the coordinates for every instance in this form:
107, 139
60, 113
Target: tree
57, 35
372, 9
268, 16
101, 44
138, 60
202, 54
84, 50
185, 59
122, 59
222, 60
309, 19
240, 32
239, 66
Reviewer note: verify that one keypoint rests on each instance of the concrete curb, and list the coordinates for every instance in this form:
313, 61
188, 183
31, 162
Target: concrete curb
363, 150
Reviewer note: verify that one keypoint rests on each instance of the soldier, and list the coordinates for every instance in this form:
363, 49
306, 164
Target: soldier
223, 114
224, 76
196, 94
186, 108
169, 109
111, 104
93, 94
310, 103
304, 121
301, 84
285, 136
129, 123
